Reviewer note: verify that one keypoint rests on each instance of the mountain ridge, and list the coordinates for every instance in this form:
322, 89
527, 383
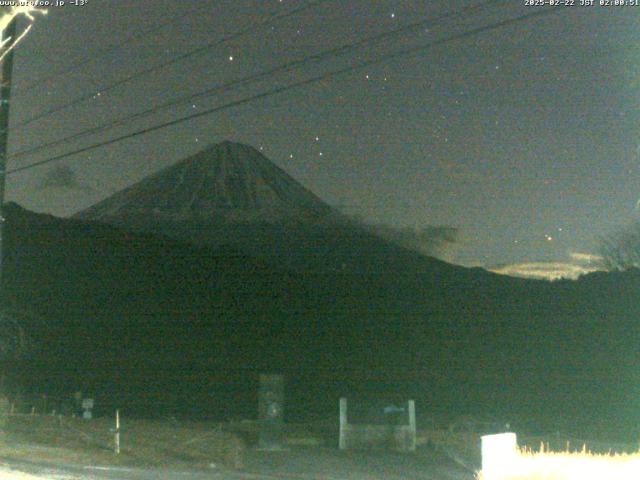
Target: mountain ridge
224, 182
231, 194
137, 317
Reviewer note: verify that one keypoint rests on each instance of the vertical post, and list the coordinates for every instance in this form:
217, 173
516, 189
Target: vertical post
411, 408
117, 433
342, 441
5, 95
271, 412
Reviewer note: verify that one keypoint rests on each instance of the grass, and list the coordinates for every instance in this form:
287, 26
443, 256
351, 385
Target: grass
461, 447
172, 444
143, 443
583, 465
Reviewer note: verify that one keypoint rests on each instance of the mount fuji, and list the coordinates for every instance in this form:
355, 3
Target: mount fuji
231, 195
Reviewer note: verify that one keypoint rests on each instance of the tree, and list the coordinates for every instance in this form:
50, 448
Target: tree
621, 250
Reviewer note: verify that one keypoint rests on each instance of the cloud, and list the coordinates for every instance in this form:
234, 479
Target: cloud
579, 264
543, 270
62, 176
586, 258
434, 241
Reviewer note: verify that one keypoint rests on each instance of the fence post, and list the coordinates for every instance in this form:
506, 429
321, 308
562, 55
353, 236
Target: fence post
342, 441
271, 412
499, 455
117, 433
412, 424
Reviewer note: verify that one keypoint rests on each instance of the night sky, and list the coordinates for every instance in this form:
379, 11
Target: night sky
524, 137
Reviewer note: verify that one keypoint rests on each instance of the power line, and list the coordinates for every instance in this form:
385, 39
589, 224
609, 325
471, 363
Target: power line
102, 52
343, 49
184, 56
278, 90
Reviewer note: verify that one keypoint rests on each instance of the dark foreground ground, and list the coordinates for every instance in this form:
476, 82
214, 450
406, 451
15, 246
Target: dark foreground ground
317, 463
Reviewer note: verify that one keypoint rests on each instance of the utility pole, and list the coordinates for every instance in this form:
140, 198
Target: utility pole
6, 70
5, 95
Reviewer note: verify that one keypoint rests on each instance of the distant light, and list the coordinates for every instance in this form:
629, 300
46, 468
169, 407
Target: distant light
291, 155
320, 153
317, 139
393, 15
231, 58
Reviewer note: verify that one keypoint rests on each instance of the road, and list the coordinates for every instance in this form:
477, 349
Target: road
311, 463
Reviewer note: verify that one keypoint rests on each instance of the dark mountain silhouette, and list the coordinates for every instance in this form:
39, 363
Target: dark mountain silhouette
157, 326
231, 194
225, 183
